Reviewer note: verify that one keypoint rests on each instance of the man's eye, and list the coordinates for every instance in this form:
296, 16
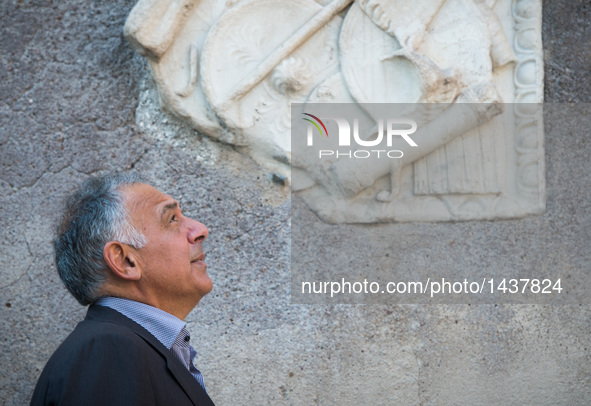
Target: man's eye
173, 218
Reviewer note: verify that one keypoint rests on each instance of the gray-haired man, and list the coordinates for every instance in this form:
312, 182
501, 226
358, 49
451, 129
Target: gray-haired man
126, 249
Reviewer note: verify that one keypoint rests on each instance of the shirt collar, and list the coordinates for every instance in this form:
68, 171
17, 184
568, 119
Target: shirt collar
164, 326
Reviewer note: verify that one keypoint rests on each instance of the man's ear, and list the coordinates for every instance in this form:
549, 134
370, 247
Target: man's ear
121, 259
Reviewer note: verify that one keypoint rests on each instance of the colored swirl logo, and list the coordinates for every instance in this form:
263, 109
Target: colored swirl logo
315, 124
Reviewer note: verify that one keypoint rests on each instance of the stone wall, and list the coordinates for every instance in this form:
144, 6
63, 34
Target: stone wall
70, 87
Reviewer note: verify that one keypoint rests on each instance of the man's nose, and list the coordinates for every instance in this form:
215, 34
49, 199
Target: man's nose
197, 231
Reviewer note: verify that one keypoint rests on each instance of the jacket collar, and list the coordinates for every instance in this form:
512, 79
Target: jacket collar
184, 378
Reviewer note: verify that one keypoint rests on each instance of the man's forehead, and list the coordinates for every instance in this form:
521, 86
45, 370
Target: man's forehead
141, 197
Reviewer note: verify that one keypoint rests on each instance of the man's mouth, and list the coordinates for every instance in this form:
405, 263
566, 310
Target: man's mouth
200, 258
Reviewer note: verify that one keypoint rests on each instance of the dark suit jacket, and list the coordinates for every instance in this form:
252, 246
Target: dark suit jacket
111, 360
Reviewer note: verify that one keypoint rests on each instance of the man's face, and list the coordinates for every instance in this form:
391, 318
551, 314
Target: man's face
172, 262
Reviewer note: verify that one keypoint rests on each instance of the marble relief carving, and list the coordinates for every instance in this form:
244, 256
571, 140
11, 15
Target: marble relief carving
233, 68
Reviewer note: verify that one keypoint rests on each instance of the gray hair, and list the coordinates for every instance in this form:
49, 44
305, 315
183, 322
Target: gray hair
94, 215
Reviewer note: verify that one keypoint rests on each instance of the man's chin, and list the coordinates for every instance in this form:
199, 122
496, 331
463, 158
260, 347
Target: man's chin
205, 285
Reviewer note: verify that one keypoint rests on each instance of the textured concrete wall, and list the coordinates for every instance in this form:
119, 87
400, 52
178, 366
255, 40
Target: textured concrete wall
70, 87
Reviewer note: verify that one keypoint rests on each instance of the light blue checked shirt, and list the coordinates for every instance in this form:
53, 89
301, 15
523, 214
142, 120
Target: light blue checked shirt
167, 329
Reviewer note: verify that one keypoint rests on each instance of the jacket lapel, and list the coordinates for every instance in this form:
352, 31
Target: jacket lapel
184, 378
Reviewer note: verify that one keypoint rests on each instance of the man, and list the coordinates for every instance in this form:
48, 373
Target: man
126, 249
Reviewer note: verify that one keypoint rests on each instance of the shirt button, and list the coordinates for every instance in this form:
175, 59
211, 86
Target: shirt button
187, 338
